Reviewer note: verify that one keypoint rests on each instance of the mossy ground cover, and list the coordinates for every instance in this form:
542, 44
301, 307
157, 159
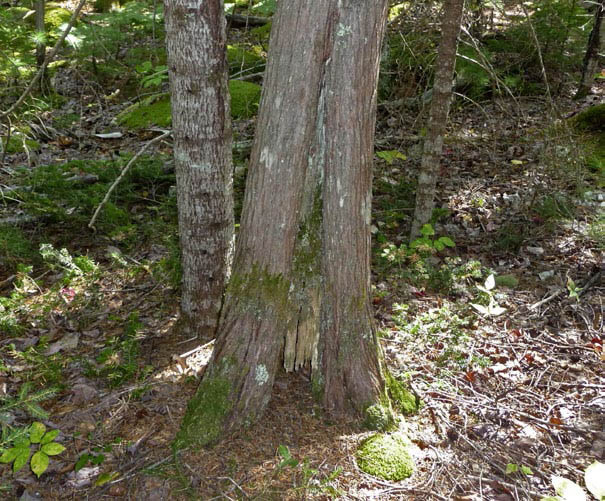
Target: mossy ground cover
386, 456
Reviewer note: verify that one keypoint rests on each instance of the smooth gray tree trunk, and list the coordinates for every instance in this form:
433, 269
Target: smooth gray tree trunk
201, 122
439, 111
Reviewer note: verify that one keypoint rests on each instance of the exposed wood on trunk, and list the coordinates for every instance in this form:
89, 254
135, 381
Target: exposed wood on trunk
440, 107
196, 40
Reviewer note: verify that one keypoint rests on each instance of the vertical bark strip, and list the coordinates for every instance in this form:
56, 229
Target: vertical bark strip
440, 107
195, 41
350, 362
591, 58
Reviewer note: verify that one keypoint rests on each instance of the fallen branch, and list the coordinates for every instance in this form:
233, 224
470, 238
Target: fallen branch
243, 21
122, 174
49, 58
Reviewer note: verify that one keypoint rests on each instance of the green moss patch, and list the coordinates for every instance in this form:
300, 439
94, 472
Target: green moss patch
152, 111
591, 119
17, 144
204, 419
403, 399
245, 97
386, 457
155, 110
55, 17
15, 247
379, 417
507, 281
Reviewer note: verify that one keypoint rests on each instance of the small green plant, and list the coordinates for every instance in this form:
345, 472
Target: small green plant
153, 76
118, 362
573, 289
72, 266
28, 401
492, 309
38, 440
309, 474
426, 243
389, 156
514, 468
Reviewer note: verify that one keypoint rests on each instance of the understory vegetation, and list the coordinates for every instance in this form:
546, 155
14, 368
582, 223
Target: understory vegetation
491, 322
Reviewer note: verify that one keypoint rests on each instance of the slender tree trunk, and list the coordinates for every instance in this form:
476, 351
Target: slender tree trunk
304, 241
195, 40
591, 58
440, 107
40, 45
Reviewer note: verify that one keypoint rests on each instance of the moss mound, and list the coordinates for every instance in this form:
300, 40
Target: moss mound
155, 110
386, 457
15, 247
591, 119
379, 417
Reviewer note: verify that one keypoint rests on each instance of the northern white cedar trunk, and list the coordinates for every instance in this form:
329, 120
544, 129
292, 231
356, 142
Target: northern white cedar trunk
201, 122
591, 58
439, 111
304, 243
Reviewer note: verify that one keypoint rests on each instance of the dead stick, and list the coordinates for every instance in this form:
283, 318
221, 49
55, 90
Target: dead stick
121, 176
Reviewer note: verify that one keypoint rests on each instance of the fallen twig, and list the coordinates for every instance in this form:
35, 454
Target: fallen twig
122, 174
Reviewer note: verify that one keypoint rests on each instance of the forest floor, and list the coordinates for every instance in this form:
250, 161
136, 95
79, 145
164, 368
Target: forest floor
509, 397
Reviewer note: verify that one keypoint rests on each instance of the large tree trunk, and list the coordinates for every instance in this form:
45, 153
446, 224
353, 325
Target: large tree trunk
350, 362
316, 124
195, 41
591, 58
440, 107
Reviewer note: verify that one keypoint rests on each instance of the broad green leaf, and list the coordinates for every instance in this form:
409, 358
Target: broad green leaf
21, 459
390, 155
36, 432
427, 230
511, 468
568, 490
22, 442
526, 470
52, 448
438, 245
81, 462
97, 459
39, 463
594, 478
490, 283
49, 437
447, 241
516, 162
9, 455
284, 452
103, 478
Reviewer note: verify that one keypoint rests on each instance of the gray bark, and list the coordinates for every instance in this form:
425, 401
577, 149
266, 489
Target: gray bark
195, 41
439, 111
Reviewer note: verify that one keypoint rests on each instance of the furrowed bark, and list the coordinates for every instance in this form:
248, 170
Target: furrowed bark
349, 370
591, 58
